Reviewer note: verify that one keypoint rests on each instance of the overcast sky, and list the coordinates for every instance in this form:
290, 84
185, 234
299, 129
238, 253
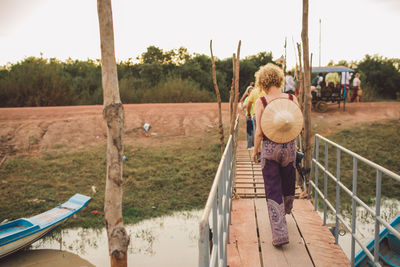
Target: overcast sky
69, 28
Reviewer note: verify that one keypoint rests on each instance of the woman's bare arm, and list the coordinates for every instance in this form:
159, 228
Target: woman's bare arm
259, 135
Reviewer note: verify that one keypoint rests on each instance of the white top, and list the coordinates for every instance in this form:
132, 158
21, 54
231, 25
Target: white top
345, 78
320, 79
356, 82
289, 85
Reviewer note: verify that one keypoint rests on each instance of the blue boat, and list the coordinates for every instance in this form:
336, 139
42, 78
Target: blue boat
389, 248
23, 232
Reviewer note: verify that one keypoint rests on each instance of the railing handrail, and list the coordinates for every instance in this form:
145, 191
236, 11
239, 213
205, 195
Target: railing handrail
213, 191
219, 205
367, 161
352, 194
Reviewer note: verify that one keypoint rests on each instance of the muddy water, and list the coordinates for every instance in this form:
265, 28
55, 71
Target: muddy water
164, 241
365, 223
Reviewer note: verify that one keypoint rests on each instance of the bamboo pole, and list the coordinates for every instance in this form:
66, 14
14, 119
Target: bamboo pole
113, 114
221, 128
307, 95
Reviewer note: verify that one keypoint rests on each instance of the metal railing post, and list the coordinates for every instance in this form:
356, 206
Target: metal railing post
353, 211
215, 230
220, 224
377, 214
316, 173
337, 197
325, 182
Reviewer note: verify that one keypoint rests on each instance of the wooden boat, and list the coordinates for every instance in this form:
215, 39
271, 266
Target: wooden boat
389, 248
23, 232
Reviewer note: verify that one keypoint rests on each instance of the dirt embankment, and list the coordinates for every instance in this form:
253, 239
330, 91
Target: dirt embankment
37, 129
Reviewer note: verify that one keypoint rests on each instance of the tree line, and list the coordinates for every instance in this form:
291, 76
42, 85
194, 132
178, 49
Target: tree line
157, 76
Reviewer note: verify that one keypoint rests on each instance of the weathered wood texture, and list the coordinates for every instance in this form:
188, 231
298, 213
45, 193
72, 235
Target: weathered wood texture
243, 247
307, 95
292, 254
249, 182
319, 240
220, 126
311, 244
113, 113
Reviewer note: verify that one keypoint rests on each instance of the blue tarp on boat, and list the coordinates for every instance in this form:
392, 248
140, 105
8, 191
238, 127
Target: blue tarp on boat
331, 69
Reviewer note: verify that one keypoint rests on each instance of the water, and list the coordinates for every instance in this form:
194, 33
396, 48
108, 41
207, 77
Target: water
163, 241
365, 223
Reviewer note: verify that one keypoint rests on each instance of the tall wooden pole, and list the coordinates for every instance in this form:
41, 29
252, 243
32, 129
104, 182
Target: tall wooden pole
113, 113
221, 128
307, 94
301, 87
236, 88
232, 92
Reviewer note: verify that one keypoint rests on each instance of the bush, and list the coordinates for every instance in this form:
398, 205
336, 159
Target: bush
176, 90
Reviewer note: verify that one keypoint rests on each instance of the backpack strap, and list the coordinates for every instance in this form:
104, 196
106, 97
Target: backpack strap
264, 101
291, 97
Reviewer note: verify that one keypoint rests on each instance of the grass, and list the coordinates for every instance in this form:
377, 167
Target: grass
378, 142
158, 179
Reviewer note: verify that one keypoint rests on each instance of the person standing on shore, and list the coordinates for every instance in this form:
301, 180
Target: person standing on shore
289, 83
356, 88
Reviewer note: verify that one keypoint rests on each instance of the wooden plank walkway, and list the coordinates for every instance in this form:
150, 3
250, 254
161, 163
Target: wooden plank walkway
311, 244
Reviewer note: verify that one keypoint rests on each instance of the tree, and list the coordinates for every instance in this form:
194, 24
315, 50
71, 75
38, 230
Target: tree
381, 74
113, 113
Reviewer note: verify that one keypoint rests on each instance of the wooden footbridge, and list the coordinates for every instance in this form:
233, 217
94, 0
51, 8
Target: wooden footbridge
311, 243
235, 231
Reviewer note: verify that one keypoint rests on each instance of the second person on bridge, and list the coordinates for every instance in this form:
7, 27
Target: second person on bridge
279, 121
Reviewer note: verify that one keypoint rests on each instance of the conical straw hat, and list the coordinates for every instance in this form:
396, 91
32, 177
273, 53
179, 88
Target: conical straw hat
282, 120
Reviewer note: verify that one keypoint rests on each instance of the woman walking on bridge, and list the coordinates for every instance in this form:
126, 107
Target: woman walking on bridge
279, 121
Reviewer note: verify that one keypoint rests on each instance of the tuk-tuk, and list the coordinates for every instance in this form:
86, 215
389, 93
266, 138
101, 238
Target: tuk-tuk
324, 94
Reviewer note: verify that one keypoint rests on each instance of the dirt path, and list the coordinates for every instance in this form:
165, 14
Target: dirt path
46, 128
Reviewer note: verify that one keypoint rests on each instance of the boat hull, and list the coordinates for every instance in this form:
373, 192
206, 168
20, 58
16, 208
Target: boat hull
23, 232
26, 241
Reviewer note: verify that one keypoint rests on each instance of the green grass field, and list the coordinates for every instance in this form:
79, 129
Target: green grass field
158, 179
378, 142
167, 175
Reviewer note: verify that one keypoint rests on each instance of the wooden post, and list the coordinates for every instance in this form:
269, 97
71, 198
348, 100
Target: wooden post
232, 95
307, 95
301, 90
221, 128
113, 114
236, 99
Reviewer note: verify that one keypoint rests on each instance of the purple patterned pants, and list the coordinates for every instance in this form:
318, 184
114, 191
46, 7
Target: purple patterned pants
279, 184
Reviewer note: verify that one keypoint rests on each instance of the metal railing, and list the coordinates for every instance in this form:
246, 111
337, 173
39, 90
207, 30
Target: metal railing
352, 193
213, 240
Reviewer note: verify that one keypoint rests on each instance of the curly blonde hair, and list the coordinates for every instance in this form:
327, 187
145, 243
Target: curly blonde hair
267, 76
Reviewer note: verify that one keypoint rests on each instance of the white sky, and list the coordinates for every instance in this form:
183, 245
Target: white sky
69, 28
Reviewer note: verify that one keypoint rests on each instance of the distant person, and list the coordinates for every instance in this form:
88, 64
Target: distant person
246, 93
249, 122
357, 92
345, 80
255, 94
278, 153
289, 83
316, 84
332, 77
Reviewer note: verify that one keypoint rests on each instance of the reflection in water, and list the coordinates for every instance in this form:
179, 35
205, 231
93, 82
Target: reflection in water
365, 223
43, 258
164, 241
